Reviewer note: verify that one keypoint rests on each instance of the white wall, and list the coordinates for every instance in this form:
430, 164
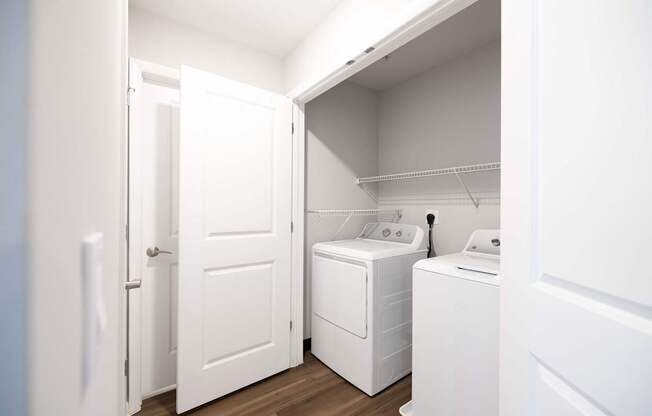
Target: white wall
447, 116
13, 282
341, 144
75, 178
163, 41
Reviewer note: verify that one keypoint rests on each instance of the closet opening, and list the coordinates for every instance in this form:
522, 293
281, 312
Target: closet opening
412, 139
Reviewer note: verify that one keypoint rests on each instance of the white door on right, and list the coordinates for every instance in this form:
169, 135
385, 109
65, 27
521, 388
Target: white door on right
576, 299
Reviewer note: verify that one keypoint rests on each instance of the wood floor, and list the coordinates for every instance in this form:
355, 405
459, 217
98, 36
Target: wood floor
311, 389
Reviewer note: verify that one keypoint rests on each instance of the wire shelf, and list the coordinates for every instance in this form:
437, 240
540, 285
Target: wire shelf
397, 214
482, 167
353, 212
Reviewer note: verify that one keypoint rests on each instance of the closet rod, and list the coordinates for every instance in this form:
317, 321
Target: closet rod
482, 167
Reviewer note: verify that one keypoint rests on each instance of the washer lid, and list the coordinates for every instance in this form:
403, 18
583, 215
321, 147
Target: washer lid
364, 249
480, 269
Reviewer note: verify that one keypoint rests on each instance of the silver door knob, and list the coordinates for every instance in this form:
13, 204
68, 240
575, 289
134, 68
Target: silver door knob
153, 252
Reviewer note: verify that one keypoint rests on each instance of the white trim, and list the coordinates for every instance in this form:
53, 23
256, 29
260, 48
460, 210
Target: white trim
160, 391
297, 255
133, 301
124, 218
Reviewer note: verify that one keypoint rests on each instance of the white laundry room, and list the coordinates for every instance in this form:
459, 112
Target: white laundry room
325, 208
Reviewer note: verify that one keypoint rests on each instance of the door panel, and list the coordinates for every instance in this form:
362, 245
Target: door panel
232, 327
594, 115
576, 302
553, 396
574, 335
234, 241
249, 211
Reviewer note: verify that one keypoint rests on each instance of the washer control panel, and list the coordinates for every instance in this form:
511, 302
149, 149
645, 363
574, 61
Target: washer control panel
389, 231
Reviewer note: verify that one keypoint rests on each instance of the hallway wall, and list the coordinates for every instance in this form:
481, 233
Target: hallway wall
166, 42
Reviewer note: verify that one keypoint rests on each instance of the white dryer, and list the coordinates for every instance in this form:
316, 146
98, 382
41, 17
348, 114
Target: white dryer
362, 304
455, 351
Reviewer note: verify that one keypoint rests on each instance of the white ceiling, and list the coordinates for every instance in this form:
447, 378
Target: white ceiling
474, 26
273, 26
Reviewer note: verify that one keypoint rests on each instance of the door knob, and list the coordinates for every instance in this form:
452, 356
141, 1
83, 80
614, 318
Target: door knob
153, 252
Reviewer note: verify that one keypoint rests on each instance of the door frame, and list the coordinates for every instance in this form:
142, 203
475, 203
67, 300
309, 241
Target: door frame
430, 17
161, 75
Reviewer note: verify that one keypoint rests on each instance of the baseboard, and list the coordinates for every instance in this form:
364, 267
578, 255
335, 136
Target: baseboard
160, 391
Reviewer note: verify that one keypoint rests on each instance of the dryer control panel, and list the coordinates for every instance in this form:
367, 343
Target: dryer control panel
393, 232
484, 242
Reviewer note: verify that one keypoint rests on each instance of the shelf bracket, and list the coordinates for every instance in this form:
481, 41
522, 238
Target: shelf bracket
339, 230
466, 188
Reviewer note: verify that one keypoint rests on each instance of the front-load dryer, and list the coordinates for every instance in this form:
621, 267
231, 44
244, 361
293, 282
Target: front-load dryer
455, 343
362, 304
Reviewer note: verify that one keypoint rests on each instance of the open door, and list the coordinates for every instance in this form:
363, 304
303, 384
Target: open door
576, 298
235, 164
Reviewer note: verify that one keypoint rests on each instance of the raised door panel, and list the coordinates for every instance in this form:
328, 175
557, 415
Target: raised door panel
576, 316
239, 311
595, 148
238, 167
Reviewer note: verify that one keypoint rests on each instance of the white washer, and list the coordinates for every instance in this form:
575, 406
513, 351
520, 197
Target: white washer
455, 349
362, 304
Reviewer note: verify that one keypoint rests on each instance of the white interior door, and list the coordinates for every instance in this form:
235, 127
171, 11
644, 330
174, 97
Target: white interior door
234, 236
576, 301
159, 227
153, 222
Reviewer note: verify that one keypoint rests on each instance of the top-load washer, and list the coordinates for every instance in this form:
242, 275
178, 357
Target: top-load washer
362, 304
455, 346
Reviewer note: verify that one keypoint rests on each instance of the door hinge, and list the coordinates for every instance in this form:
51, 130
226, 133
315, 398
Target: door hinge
290, 325
130, 96
127, 232
292, 128
291, 226
126, 368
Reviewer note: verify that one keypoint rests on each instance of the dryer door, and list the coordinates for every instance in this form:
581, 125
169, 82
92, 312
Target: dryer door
339, 293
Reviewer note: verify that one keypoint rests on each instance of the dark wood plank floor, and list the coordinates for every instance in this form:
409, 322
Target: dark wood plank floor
311, 389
